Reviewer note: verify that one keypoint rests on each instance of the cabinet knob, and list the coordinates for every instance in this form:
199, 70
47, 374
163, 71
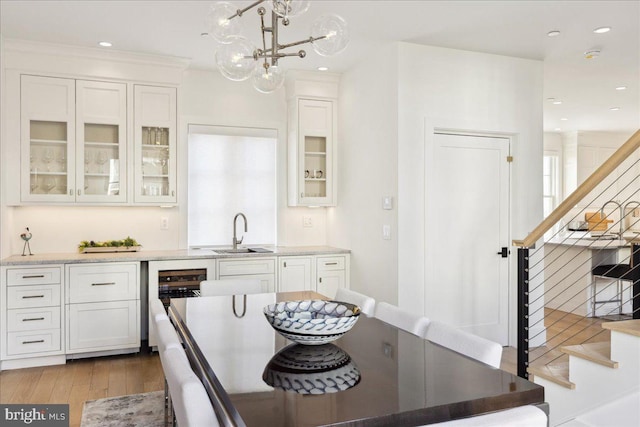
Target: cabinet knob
285, 264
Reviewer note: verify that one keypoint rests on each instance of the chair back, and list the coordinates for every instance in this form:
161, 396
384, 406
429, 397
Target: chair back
410, 322
156, 309
521, 416
167, 336
366, 304
191, 404
470, 345
220, 287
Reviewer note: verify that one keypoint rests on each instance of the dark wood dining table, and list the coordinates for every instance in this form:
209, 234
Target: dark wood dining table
381, 375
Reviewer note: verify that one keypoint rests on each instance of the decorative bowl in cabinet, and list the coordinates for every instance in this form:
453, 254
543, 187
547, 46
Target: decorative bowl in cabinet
312, 322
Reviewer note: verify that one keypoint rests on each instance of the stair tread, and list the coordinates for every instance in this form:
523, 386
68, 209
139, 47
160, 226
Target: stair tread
598, 352
557, 373
631, 327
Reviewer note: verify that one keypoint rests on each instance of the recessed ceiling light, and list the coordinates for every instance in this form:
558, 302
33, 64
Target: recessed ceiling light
602, 30
621, 88
105, 44
553, 33
323, 68
591, 54
564, 119
614, 108
556, 102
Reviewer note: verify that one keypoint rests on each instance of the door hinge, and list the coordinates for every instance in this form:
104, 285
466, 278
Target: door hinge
509, 159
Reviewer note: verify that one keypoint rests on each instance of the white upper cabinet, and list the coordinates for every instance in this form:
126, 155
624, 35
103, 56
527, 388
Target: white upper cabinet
312, 148
73, 140
101, 126
155, 144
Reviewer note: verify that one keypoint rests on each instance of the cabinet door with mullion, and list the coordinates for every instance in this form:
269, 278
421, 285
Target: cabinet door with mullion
101, 126
155, 144
47, 111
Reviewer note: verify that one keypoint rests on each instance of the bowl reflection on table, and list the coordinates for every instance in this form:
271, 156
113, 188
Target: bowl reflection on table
318, 369
312, 322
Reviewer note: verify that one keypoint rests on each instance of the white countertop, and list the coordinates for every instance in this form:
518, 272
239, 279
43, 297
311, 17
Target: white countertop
142, 255
583, 239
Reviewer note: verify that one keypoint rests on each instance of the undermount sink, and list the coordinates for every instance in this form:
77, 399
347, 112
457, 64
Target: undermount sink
242, 251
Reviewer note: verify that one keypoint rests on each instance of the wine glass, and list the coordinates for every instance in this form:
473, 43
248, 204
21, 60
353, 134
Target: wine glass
47, 157
102, 159
62, 159
88, 158
50, 184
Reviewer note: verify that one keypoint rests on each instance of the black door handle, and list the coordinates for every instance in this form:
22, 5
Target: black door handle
504, 252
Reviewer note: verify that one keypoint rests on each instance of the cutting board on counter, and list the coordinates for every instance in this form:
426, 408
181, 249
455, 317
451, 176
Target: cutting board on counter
596, 221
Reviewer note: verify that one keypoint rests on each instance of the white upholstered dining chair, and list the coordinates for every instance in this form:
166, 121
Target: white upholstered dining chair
366, 303
470, 345
521, 416
156, 309
219, 287
410, 322
191, 404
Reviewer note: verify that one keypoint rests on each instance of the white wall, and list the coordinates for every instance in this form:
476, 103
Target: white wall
394, 106
367, 171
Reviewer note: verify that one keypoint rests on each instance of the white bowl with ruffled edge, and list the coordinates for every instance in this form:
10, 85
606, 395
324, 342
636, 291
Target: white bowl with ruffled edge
312, 322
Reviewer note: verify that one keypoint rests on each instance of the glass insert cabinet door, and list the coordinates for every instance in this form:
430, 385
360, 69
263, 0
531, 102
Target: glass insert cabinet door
155, 144
48, 160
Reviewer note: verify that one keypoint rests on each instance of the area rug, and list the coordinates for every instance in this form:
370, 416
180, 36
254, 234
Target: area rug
136, 410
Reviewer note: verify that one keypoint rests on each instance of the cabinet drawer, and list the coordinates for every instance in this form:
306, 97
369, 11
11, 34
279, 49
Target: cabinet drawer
33, 276
97, 283
330, 263
242, 267
33, 296
33, 342
103, 326
32, 319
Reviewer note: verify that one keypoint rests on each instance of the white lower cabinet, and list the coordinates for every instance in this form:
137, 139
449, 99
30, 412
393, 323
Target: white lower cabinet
255, 268
332, 273
319, 273
102, 307
295, 274
30, 303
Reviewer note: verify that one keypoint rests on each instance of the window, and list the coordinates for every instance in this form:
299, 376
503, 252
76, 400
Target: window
231, 170
550, 183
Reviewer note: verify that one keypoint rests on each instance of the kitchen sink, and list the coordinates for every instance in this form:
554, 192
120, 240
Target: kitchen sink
242, 251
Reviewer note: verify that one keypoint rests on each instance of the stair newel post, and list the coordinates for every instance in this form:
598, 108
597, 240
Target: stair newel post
523, 312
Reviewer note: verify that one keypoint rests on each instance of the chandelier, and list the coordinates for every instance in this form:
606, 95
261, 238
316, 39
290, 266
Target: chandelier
238, 59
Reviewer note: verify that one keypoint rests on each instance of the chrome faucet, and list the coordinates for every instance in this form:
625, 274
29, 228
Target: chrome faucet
236, 242
602, 215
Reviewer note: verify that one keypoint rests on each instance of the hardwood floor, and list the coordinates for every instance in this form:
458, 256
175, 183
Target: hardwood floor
81, 380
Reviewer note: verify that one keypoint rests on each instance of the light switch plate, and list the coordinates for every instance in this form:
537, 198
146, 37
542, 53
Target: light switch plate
306, 222
387, 202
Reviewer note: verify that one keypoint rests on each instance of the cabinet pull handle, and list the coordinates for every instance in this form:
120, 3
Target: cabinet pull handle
71, 191
320, 279
330, 263
103, 284
32, 319
34, 276
173, 193
78, 192
32, 296
302, 195
32, 342
285, 264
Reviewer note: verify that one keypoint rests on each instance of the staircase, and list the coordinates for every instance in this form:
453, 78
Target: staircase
595, 381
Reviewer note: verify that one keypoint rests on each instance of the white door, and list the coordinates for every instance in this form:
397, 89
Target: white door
470, 212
